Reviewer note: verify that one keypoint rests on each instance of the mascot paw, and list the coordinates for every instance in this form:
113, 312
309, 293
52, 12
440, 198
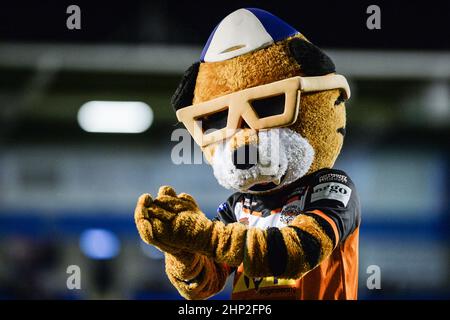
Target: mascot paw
184, 266
168, 204
167, 221
175, 224
147, 230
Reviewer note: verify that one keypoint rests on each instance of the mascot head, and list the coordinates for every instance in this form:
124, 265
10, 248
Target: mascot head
265, 105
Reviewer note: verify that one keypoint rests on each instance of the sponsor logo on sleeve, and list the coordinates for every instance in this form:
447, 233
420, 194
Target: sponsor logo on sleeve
333, 191
222, 208
336, 177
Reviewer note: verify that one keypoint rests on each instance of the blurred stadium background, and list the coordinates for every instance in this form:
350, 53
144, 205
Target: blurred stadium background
67, 196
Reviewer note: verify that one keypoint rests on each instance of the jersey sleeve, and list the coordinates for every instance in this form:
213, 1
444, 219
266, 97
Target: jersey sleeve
225, 211
333, 200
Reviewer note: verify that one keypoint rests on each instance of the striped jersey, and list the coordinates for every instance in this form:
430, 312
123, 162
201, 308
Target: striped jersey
330, 197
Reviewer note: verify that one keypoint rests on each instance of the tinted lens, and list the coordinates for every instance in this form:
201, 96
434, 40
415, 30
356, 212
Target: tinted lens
269, 106
214, 121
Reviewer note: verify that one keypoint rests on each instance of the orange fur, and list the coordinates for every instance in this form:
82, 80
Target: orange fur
318, 119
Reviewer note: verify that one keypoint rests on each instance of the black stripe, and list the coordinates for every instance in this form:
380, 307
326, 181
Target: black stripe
312, 60
184, 94
311, 246
326, 227
277, 251
342, 131
340, 99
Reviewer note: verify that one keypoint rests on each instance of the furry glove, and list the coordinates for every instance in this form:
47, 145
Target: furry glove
194, 275
175, 223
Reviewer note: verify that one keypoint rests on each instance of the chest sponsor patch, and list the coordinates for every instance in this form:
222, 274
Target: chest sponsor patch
333, 191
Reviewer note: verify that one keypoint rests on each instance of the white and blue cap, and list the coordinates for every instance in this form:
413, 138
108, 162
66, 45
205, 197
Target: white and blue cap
243, 31
247, 30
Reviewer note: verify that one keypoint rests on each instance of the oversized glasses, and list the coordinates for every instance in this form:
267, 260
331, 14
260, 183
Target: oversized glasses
263, 107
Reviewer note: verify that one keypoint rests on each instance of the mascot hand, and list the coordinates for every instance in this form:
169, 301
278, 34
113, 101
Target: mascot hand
165, 206
147, 230
176, 222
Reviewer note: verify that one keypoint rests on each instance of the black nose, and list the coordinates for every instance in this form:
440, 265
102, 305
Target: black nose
245, 157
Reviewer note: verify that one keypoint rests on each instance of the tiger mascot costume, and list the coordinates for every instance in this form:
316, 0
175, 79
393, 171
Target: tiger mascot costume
267, 108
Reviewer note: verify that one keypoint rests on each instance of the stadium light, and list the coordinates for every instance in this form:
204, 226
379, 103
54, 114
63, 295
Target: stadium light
115, 116
99, 244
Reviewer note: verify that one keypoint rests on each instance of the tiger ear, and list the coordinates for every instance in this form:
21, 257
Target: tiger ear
184, 94
312, 60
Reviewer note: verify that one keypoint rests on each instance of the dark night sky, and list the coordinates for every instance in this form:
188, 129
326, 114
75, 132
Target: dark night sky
405, 24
